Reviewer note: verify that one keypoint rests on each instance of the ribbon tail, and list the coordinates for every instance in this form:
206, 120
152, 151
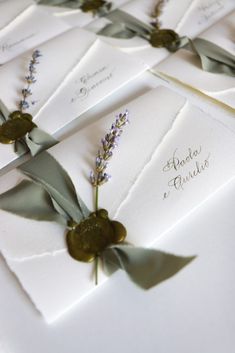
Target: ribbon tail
126, 25
145, 267
116, 30
38, 140
30, 200
21, 147
213, 58
47, 172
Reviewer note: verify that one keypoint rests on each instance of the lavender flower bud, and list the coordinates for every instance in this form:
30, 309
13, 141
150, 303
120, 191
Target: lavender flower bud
23, 104
30, 79
26, 92
109, 143
92, 179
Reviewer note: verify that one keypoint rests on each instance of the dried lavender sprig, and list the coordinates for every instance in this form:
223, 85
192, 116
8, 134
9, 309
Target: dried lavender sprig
30, 79
109, 143
99, 176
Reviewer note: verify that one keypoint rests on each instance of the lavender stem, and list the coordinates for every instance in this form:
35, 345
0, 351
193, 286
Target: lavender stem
96, 269
96, 198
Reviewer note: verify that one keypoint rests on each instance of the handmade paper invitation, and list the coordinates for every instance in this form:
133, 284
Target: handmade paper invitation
186, 18
72, 78
167, 164
185, 66
31, 28
202, 14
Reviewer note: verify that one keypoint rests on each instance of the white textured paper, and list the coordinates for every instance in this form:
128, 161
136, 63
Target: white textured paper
186, 67
164, 142
11, 9
31, 28
202, 14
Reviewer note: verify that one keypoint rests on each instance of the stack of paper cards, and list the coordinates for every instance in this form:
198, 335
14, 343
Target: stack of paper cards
186, 68
188, 17
167, 164
77, 70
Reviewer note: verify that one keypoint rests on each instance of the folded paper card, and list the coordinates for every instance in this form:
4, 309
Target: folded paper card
11, 9
185, 66
70, 77
31, 28
187, 18
202, 14
169, 162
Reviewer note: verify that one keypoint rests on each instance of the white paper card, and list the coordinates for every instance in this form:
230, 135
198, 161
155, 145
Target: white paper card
11, 9
70, 80
186, 67
202, 14
31, 28
168, 163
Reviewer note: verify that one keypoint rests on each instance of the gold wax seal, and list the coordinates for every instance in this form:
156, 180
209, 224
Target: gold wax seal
16, 127
90, 237
163, 38
92, 5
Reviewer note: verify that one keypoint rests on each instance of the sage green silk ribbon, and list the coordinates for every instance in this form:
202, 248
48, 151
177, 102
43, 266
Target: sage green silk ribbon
47, 172
31, 201
145, 267
213, 58
51, 196
34, 141
125, 26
